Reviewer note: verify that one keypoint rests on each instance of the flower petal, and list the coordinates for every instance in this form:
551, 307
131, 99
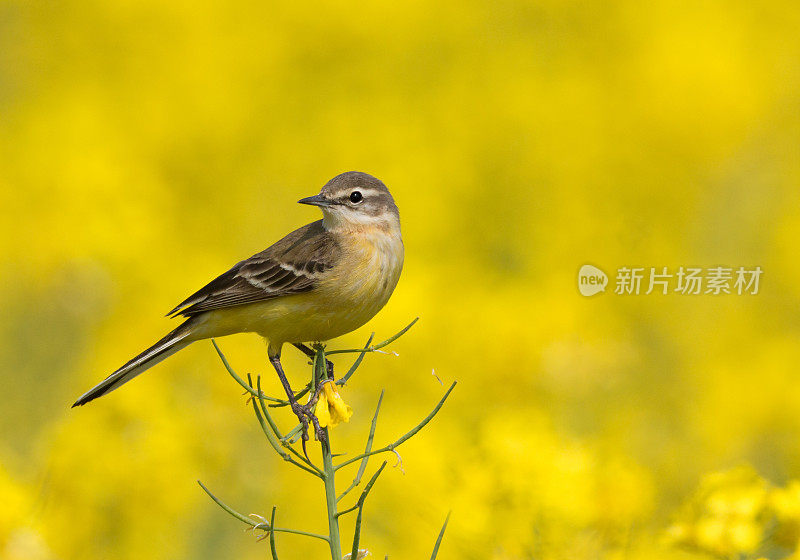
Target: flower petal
322, 412
340, 411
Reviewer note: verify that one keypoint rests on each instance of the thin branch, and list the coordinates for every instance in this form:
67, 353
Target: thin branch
357, 363
267, 415
405, 437
364, 461
348, 510
233, 374
439, 538
377, 346
291, 436
252, 523
361, 500
272, 535
278, 403
249, 389
227, 508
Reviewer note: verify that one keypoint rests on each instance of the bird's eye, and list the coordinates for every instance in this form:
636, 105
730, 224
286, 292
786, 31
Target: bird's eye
356, 197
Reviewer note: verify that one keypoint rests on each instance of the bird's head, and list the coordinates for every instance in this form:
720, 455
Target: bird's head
355, 200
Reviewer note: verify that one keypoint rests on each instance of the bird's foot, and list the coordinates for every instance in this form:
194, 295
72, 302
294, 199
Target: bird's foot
305, 414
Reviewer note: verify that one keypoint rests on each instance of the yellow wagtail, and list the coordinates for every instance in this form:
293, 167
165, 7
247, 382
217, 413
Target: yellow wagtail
319, 282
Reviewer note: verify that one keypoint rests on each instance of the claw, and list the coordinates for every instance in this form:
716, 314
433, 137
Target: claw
304, 414
319, 433
305, 451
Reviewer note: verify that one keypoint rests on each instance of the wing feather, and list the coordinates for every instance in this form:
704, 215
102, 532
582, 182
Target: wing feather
293, 265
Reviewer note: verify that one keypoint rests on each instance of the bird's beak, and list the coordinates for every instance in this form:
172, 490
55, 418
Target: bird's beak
316, 200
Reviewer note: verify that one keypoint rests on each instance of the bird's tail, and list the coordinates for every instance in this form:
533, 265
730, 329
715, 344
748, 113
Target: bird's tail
167, 346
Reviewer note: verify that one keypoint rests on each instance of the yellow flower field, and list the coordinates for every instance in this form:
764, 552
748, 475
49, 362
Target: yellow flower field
145, 147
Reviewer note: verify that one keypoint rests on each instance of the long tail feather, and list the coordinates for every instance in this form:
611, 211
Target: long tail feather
167, 346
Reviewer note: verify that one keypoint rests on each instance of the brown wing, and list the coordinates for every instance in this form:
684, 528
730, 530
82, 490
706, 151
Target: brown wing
290, 266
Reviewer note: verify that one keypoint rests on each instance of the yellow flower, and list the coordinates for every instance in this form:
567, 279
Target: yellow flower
331, 408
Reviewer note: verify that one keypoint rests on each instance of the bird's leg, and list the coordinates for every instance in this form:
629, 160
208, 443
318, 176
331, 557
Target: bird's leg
310, 353
303, 413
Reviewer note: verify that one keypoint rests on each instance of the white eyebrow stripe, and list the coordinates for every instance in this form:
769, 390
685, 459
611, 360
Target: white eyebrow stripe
362, 190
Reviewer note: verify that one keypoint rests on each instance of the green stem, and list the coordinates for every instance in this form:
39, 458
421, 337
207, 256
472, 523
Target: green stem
439, 538
272, 535
378, 346
254, 524
328, 471
364, 461
357, 363
330, 498
243, 383
360, 506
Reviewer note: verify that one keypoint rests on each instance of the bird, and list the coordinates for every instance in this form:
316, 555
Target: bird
317, 283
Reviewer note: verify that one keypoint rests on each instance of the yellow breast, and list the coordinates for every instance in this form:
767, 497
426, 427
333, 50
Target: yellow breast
361, 284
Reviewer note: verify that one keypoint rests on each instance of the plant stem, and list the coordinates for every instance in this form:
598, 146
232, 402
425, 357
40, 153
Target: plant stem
328, 471
330, 498
257, 524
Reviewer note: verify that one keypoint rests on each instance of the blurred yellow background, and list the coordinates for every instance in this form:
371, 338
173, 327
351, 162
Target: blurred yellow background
147, 146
